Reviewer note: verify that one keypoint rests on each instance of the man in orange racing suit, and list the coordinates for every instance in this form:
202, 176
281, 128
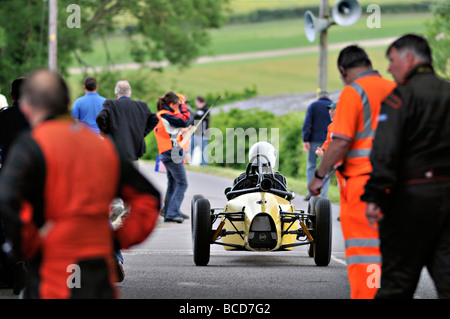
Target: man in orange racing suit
55, 192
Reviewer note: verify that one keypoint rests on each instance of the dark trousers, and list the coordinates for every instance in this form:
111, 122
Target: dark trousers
176, 187
415, 233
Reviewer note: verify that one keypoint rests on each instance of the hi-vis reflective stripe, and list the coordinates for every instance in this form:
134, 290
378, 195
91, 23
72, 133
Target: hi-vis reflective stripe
364, 243
366, 259
367, 130
358, 153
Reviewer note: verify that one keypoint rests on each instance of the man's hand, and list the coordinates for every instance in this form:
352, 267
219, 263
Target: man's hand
315, 186
319, 152
373, 214
306, 146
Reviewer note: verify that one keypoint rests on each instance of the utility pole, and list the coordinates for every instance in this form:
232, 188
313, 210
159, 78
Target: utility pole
323, 47
53, 36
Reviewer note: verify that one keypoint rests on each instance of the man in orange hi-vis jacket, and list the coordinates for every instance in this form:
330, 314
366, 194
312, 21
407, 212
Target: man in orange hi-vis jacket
354, 127
55, 192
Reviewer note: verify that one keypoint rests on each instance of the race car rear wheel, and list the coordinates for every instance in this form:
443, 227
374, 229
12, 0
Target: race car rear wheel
201, 231
323, 233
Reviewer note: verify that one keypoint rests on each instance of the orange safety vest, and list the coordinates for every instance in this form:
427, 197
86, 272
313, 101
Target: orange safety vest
371, 91
165, 140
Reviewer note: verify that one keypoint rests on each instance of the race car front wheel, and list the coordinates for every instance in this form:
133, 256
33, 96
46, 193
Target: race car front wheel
194, 199
201, 231
323, 233
311, 211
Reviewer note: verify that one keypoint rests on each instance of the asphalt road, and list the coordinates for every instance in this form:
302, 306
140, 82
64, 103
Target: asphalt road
162, 267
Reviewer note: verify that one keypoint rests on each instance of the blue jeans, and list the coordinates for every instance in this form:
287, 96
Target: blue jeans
311, 167
176, 187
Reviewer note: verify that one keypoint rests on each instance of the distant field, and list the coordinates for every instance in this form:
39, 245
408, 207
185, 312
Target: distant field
273, 35
290, 33
245, 6
271, 76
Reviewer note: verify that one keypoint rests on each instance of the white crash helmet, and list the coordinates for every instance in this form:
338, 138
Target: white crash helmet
267, 150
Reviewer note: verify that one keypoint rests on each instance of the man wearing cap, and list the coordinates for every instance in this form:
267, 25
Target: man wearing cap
314, 132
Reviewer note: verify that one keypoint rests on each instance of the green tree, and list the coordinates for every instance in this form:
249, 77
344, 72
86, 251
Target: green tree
439, 37
173, 30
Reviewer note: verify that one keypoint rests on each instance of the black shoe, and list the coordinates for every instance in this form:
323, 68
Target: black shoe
178, 220
20, 274
120, 271
185, 216
307, 198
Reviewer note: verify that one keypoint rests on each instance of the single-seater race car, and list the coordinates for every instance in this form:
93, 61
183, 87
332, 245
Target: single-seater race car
259, 215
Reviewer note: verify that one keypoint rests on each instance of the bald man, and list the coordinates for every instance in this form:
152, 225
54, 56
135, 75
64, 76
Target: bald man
55, 193
127, 121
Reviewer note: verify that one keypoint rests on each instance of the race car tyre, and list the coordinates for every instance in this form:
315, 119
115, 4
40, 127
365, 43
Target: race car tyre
323, 233
193, 200
311, 205
202, 231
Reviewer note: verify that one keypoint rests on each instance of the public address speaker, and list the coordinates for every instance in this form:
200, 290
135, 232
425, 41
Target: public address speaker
344, 13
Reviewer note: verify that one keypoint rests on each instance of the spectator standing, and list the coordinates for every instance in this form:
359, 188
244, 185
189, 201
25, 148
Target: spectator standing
127, 121
173, 116
314, 132
354, 126
62, 232
12, 121
410, 182
332, 111
86, 108
200, 139
12, 124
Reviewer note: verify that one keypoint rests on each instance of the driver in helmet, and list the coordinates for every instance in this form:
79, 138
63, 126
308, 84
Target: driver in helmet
262, 158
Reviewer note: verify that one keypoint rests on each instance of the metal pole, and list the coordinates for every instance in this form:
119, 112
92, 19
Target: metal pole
53, 36
323, 47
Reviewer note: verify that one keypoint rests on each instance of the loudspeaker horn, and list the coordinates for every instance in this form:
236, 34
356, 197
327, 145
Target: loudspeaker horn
314, 25
346, 12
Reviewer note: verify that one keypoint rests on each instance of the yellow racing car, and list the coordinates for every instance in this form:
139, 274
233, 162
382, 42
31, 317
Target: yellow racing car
259, 215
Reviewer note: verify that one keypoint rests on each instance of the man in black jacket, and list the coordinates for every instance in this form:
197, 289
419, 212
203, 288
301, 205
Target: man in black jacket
12, 121
408, 190
12, 124
127, 121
